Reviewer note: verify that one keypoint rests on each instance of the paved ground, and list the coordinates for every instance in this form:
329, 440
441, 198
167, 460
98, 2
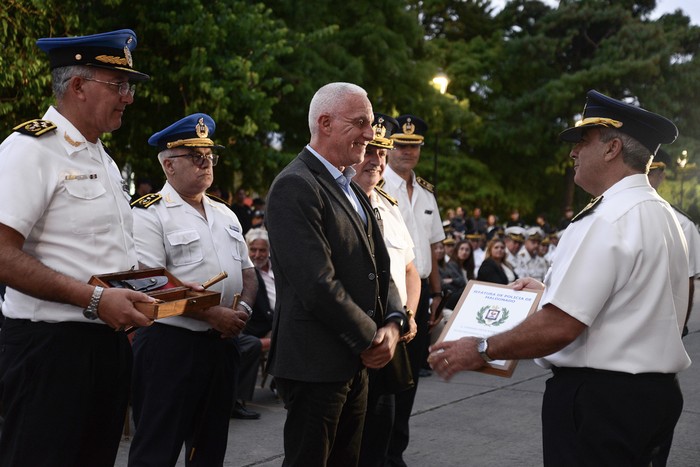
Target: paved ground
475, 420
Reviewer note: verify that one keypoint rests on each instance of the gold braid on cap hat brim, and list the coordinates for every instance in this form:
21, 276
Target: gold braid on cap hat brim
407, 139
192, 142
608, 122
385, 143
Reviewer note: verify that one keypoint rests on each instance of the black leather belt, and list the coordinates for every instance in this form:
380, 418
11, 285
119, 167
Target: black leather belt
559, 370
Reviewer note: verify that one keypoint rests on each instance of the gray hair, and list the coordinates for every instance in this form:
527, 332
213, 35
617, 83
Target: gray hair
60, 77
257, 234
164, 154
634, 154
326, 100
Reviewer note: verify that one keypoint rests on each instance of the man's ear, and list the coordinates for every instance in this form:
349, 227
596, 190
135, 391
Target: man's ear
75, 86
324, 123
168, 166
613, 148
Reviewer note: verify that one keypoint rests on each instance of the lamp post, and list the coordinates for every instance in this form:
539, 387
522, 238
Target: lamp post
682, 161
440, 82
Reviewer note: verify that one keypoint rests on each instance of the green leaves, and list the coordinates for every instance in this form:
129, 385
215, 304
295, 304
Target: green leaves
517, 79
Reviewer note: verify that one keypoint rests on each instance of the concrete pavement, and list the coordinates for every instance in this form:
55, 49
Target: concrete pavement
475, 420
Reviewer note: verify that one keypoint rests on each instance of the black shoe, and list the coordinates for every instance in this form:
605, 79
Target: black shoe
240, 411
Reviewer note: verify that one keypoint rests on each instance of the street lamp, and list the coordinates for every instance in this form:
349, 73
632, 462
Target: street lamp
439, 82
682, 161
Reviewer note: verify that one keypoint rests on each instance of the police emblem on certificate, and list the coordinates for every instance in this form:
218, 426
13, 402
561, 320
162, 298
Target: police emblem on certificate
485, 309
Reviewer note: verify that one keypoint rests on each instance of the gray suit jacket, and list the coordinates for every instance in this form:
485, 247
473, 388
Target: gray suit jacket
331, 275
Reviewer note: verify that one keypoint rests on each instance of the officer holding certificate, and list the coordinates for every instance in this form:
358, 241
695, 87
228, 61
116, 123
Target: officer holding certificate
613, 305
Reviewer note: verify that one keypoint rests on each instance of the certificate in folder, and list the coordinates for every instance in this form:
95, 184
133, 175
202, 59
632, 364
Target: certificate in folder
485, 309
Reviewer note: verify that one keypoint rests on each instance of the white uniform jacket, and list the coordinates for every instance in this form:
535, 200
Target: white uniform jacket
622, 270
171, 234
66, 196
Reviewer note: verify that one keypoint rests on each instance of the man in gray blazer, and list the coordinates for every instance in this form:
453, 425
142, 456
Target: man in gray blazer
337, 312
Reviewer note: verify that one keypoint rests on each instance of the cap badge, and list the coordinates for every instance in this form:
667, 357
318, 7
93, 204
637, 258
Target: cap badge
379, 128
127, 54
408, 128
201, 129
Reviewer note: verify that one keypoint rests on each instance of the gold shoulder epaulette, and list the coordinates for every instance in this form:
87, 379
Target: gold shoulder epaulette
426, 185
386, 195
147, 200
36, 127
588, 209
381, 183
216, 198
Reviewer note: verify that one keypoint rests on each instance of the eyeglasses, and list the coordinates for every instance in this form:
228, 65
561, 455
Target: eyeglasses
123, 87
198, 159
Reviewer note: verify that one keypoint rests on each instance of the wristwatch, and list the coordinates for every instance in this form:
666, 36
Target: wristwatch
482, 347
403, 323
91, 311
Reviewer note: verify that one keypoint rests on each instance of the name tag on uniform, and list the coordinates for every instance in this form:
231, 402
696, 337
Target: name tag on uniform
428, 211
81, 177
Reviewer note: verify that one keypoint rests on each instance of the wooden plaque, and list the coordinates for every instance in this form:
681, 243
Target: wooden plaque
174, 298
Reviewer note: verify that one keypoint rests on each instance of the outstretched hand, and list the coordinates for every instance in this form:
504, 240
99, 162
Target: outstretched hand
449, 358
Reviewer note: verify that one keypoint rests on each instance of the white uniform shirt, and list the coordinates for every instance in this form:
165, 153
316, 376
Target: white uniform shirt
692, 238
421, 216
479, 256
622, 270
397, 239
527, 265
511, 258
268, 278
171, 234
66, 197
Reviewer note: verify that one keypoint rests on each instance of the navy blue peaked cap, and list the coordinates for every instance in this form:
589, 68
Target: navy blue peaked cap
650, 129
110, 50
193, 131
383, 126
411, 130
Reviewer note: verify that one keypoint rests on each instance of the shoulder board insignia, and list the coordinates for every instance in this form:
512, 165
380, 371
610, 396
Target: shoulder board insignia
386, 195
147, 200
679, 210
216, 198
426, 185
588, 209
36, 127
381, 183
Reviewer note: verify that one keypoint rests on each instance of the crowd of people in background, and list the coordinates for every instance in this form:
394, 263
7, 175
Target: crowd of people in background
486, 249
337, 281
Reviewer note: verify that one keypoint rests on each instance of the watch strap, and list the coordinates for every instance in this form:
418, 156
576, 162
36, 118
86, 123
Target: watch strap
91, 311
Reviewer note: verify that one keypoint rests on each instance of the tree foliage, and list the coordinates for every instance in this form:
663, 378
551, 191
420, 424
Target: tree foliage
518, 77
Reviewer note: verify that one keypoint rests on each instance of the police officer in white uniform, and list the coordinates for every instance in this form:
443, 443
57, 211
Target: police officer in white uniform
613, 306
64, 372
379, 419
690, 229
528, 262
513, 239
420, 212
182, 388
